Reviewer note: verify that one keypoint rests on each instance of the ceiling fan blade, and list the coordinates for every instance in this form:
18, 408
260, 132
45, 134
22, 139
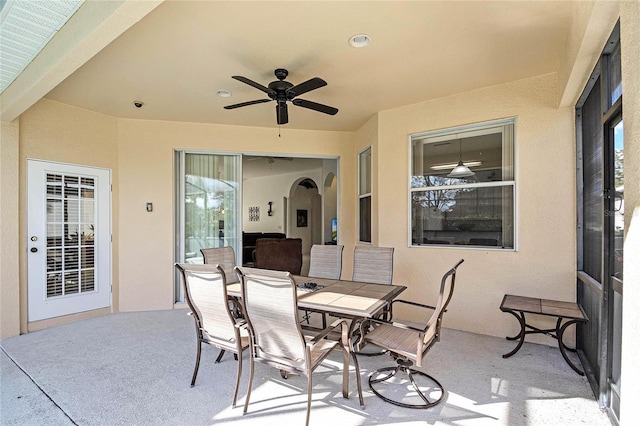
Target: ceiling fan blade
282, 115
307, 86
315, 106
242, 104
252, 83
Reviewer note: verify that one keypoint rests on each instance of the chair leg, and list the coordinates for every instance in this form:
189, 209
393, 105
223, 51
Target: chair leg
246, 401
220, 356
345, 372
404, 366
235, 393
195, 369
309, 386
417, 389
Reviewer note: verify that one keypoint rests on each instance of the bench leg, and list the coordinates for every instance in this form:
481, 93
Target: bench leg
520, 336
563, 348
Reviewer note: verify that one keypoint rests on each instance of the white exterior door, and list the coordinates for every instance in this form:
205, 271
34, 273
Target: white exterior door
68, 240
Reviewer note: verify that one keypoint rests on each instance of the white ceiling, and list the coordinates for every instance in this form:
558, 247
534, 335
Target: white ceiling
182, 52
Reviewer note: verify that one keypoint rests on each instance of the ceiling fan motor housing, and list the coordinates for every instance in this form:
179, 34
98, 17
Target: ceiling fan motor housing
280, 88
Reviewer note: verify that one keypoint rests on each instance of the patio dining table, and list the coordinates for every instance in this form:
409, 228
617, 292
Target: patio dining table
339, 298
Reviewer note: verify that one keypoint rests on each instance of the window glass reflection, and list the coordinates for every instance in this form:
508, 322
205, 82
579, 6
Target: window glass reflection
469, 216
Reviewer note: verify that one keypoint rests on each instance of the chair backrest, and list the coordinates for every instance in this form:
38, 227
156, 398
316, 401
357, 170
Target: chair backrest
225, 257
205, 290
373, 264
325, 261
279, 254
447, 285
271, 309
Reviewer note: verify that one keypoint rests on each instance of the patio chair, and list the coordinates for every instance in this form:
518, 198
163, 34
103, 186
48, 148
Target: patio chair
409, 344
225, 257
271, 308
373, 264
325, 261
205, 289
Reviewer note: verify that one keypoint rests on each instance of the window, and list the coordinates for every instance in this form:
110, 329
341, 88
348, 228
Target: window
207, 206
364, 195
473, 207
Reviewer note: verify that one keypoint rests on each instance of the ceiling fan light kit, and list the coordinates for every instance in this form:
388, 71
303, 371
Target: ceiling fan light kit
282, 92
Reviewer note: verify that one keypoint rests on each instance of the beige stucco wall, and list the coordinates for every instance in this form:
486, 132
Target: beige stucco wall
140, 154
630, 36
9, 271
146, 155
146, 173
544, 263
57, 132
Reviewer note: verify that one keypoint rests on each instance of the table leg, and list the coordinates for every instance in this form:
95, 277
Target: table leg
520, 335
560, 333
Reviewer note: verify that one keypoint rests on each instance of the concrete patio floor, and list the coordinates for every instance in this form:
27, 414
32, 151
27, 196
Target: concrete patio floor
135, 369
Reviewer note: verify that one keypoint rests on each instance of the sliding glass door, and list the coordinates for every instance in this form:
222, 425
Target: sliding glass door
207, 205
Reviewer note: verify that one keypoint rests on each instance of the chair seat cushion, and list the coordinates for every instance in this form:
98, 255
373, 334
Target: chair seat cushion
401, 341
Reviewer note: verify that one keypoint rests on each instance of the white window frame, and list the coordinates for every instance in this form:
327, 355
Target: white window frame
450, 133
362, 195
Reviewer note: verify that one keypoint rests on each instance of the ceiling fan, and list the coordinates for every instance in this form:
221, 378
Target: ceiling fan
282, 91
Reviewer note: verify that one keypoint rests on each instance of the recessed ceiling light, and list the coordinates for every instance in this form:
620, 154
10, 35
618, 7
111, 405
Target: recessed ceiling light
223, 93
360, 40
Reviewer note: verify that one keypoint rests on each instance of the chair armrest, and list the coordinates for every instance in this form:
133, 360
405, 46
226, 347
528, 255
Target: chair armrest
408, 327
407, 302
391, 323
324, 333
